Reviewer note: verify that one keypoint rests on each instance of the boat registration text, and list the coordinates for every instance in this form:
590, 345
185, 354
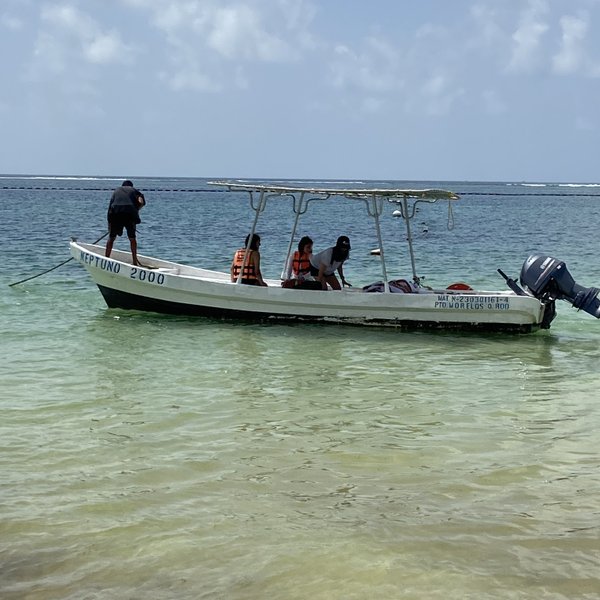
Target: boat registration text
472, 302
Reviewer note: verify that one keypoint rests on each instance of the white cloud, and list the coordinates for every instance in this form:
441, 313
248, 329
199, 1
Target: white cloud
571, 56
241, 81
176, 19
250, 31
532, 44
594, 70
374, 69
372, 105
492, 103
418, 74
189, 79
66, 45
238, 32
439, 94
106, 48
584, 124
261, 30
486, 29
81, 36
67, 17
49, 57
11, 22
210, 43
526, 49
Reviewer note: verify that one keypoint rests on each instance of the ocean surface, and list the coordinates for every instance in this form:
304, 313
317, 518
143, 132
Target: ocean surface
155, 457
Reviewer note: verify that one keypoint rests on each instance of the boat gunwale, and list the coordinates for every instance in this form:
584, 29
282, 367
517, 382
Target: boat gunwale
208, 275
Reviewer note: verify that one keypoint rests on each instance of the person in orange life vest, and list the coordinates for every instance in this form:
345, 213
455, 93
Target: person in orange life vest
299, 268
324, 264
251, 274
301, 259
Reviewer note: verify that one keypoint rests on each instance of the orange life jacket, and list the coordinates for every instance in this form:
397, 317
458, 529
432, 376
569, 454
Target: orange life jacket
300, 264
238, 260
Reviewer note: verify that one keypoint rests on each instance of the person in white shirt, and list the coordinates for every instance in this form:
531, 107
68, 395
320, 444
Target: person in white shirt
324, 264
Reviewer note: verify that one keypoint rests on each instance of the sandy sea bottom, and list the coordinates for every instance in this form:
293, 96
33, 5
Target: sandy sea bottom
159, 457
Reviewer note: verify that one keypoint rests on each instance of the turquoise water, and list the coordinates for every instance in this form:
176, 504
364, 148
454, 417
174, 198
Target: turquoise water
145, 456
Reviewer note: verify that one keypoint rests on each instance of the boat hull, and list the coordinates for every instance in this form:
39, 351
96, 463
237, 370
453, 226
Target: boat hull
126, 301
171, 288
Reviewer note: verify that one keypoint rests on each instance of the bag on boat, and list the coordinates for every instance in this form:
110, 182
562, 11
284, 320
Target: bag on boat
402, 286
398, 286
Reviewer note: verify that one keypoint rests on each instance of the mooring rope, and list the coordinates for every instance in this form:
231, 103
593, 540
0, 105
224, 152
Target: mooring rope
64, 262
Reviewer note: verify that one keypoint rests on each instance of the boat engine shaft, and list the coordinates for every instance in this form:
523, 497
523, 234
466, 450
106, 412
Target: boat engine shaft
548, 279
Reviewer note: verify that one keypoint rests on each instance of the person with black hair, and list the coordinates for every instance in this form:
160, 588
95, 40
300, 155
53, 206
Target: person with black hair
123, 212
324, 264
300, 264
298, 268
248, 266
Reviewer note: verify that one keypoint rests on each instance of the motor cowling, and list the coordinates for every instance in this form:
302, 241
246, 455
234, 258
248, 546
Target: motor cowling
548, 279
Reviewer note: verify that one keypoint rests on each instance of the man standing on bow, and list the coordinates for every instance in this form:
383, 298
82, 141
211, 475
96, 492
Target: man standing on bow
123, 212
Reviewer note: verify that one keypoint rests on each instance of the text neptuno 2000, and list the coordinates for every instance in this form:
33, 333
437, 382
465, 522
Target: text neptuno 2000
115, 267
149, 276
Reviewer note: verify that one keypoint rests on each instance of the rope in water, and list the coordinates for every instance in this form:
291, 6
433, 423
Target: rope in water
64, 262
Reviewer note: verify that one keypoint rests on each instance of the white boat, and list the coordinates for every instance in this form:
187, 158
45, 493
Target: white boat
167, 287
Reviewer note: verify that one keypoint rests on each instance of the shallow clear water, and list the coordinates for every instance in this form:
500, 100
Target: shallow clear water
145, 456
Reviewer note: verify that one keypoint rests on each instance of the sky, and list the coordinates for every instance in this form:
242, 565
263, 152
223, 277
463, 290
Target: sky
460, 90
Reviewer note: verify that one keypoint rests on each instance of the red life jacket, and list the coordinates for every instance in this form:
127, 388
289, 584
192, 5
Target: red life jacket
238, 260
300, 264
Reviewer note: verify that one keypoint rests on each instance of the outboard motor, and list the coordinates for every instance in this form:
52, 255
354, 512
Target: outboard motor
548, 279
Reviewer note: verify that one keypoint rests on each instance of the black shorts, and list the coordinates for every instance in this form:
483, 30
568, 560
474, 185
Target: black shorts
315, 272
117, 222
309, 285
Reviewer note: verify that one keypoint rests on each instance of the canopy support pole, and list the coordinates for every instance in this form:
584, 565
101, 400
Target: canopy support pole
377, 210
287, 266
407, 218
259, 208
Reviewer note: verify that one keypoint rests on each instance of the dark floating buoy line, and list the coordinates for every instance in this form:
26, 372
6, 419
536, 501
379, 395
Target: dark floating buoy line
96, 189
211, 190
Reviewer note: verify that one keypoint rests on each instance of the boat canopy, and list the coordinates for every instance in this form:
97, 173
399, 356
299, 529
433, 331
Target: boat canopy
374, 199
391, 194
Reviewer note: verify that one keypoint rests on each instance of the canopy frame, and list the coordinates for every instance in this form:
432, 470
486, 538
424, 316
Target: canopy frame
372, 197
